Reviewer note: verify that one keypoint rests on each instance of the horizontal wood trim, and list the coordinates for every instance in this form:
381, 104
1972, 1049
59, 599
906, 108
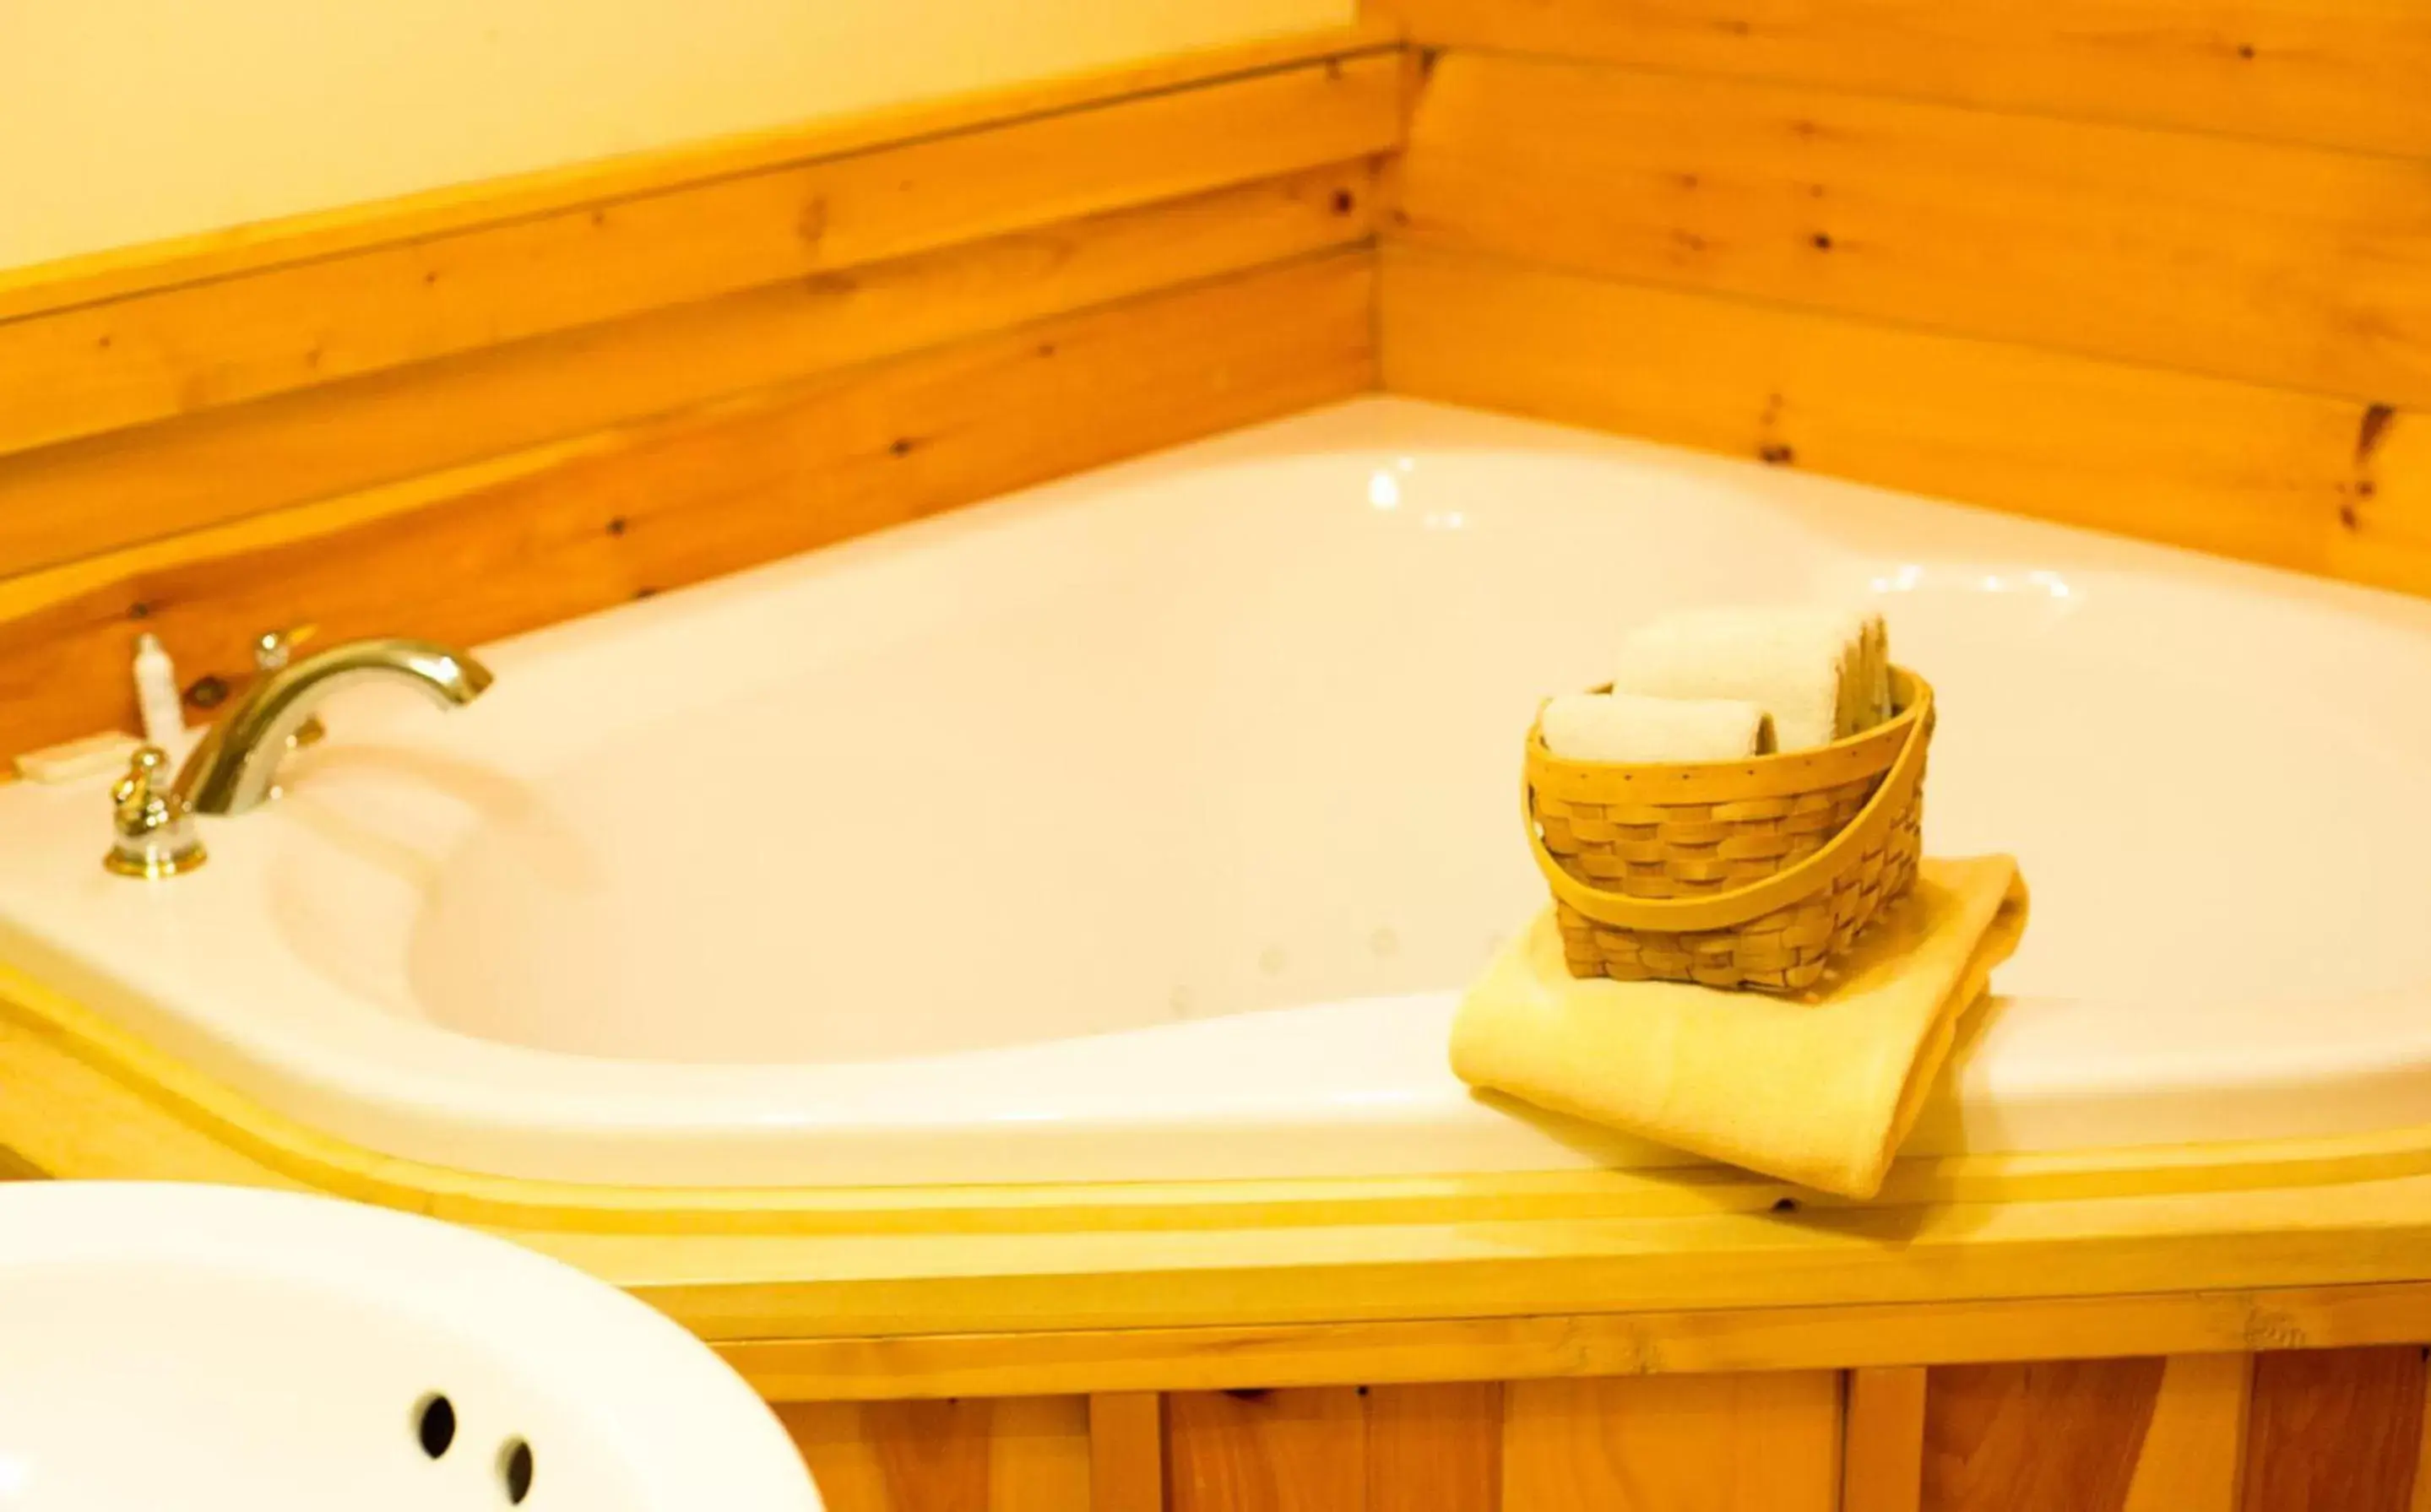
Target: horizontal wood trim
104, 492
536, 537
118, 271
2288, 266
2292, 479
193, 347
1887, 1338
2347, 74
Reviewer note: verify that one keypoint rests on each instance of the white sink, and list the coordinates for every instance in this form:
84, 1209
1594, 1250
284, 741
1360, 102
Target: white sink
209, 1347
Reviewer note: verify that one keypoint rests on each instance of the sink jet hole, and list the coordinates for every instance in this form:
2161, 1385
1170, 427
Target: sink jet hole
516, 1469
434, 1423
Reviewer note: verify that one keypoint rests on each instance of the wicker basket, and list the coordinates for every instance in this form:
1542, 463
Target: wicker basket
1748, 873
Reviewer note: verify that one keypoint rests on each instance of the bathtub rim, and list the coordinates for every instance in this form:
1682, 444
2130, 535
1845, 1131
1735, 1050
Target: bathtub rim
38, 1021
1206, 1283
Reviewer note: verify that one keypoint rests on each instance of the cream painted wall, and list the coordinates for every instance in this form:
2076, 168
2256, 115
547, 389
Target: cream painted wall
126, 120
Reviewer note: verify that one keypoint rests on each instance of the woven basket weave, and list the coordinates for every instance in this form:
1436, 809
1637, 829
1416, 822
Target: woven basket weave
1746, 873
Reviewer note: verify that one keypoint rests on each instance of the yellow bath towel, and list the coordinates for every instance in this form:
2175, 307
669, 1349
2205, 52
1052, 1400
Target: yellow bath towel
1817, 1092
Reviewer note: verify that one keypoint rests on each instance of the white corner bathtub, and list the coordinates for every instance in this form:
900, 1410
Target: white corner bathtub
1143, 826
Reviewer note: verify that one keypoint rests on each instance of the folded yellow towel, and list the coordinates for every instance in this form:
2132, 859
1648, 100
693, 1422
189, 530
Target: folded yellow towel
1819, 1092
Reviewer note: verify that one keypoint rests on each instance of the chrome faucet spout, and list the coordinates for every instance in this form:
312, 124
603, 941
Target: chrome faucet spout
236, 766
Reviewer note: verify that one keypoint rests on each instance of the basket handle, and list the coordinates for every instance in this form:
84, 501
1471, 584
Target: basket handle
1726, 910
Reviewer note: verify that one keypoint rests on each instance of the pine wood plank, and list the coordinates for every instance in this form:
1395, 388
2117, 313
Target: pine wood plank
2282, 265
2193, 1458
1883, 1463
675, 501
1710, 1443
842, 1459
118, 271
1435, 1447
175, 475
2292, 479
1040, 1454
893, 1456
1126, 1452
2036, 1438
147, 357
2337, 73
1294, 1450
1018, 1454
2335, 1429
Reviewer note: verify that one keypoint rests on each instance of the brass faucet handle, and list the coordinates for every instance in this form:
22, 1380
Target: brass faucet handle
272, 648
132, 791
155, 826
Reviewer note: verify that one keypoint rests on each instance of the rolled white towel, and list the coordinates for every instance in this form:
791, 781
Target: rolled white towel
1626, 727
1821, 673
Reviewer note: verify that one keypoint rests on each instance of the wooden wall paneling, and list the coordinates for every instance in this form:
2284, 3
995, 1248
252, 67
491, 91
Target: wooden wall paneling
63, 501
533, 539
1012, 1455
2343, 74
2282, 265
1301, 1450
2297, 480
2194, 1455
1763, 1443
1882, 1467
2060, 1436
2335, 1429
1127, 1452
2389, 538
91, 277
1434, 1448
149, 355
